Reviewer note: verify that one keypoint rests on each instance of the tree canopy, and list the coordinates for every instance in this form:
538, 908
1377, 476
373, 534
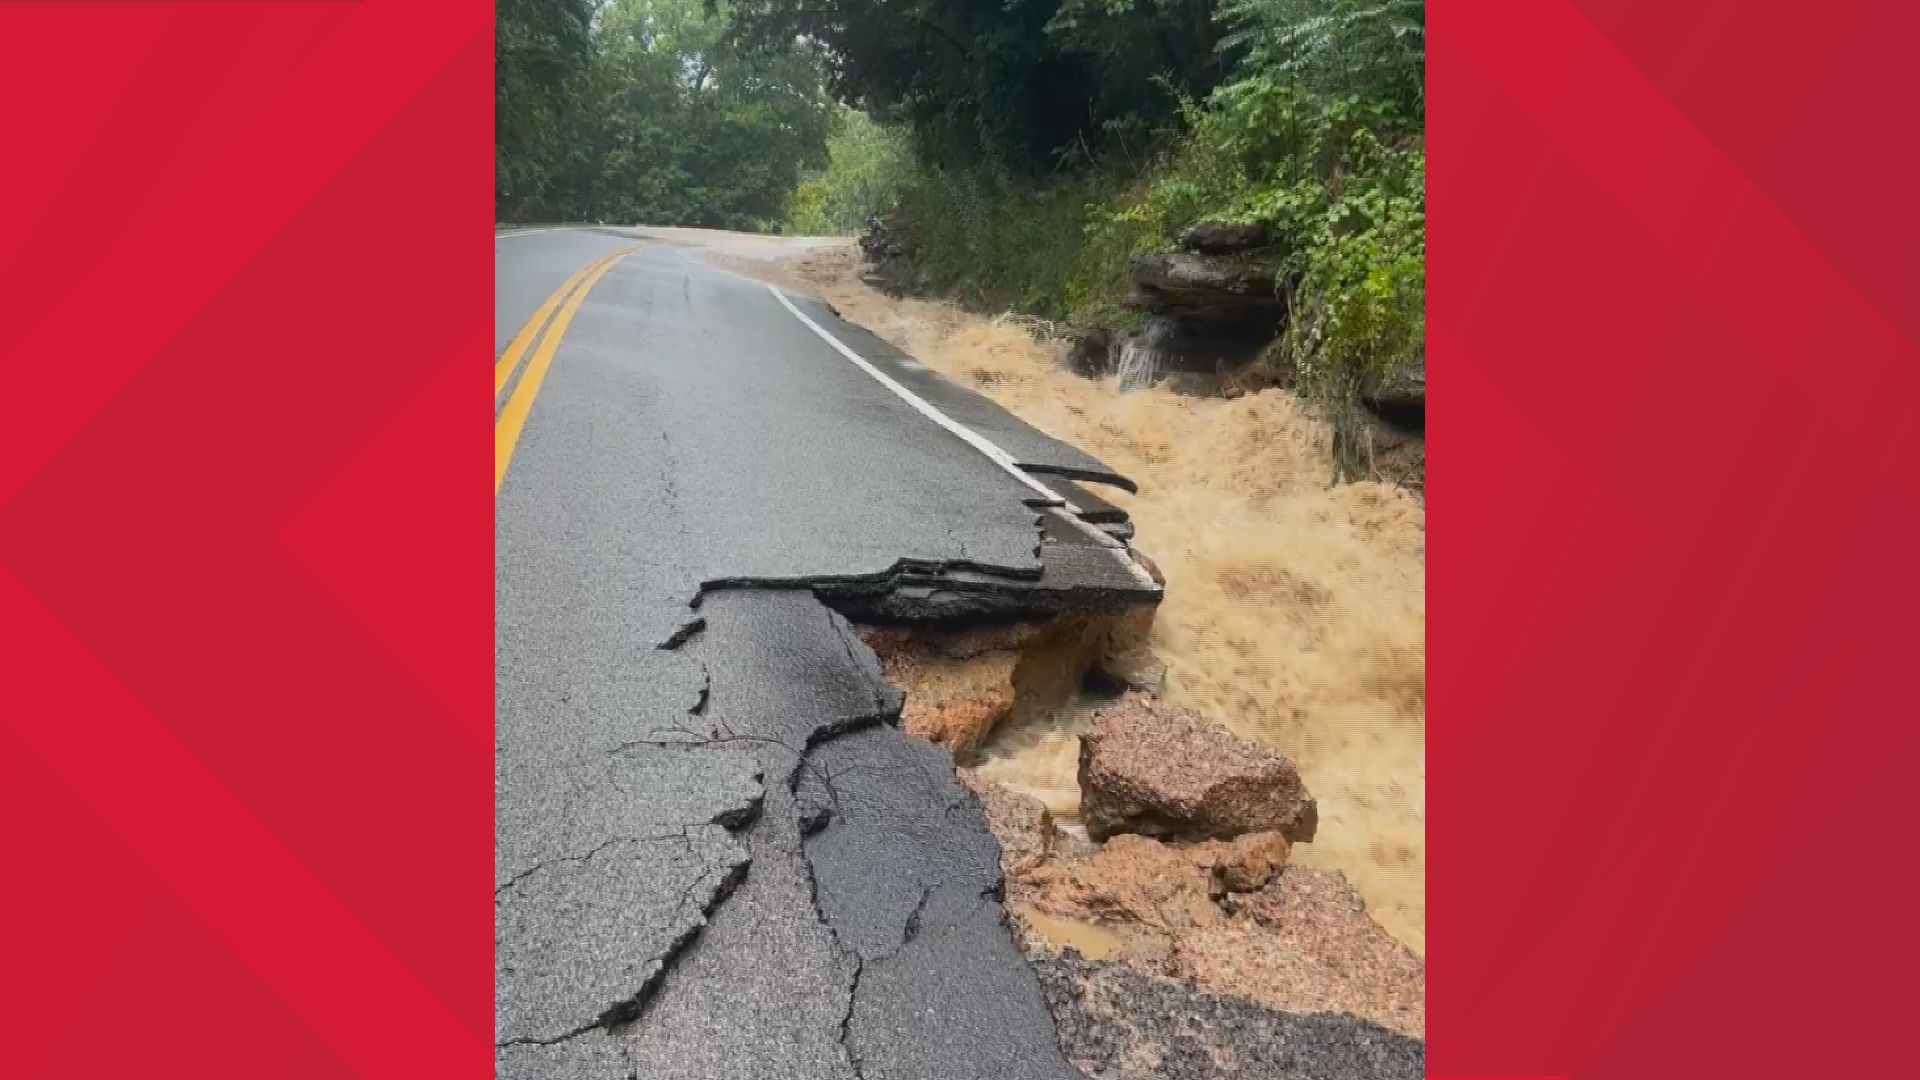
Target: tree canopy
1020, 84
651, 110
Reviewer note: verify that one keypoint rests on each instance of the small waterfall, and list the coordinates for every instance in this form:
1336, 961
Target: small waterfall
1144, 355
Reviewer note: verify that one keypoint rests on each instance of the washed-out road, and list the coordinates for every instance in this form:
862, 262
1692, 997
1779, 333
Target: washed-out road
717, 857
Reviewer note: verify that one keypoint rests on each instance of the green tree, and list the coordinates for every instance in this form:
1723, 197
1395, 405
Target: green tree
868, 167
1015, 84
539, 46
1366, 49
669, 120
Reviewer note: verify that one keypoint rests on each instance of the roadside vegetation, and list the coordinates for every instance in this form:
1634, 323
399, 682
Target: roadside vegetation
1033, 157
1030, 150
650, 111
869, 168
1305, 115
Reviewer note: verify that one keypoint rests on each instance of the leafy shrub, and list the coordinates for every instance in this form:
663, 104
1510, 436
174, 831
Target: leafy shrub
1317, 132
1313, 125
1012, 86
868, 167
996, 241
647, 111
1369, 49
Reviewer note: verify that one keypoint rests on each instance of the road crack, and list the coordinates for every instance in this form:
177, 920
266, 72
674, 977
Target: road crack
547, 864
683, 635
630, 1009
846, 1021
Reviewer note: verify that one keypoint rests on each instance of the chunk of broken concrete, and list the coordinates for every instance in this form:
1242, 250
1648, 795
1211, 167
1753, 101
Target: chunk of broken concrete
1168, 772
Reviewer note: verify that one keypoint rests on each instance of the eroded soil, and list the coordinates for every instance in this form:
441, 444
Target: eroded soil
1295, 611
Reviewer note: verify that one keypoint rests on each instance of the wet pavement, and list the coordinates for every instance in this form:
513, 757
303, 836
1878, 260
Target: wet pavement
717, 857
696, 460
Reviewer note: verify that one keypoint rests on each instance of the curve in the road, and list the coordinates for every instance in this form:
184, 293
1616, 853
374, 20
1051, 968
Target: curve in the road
717, 855
549, 327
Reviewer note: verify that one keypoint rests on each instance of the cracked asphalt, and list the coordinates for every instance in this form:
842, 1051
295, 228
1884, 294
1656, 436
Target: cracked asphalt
716, 855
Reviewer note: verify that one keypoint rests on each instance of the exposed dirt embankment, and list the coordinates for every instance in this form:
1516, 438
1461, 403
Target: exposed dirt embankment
1295, 612
1182, 862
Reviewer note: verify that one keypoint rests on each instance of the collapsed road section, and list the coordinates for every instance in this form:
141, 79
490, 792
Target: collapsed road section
771, 879
718, 855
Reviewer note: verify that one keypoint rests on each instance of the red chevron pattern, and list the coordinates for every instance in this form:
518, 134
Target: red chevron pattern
244, 538
1674, 350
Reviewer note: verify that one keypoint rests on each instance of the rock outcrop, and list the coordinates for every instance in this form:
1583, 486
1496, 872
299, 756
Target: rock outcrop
1225, 289
1209, 307
1090, 352
1168, 772
1400, 398
888, 245
1227, 237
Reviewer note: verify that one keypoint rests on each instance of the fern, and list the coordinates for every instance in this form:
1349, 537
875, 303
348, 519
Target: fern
1337, 48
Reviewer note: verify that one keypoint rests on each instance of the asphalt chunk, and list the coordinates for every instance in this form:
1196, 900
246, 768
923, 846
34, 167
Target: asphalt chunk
765, 990
904, 831
794, 975
582, 942
955, 1000
908, 876
1092, 507
546, 809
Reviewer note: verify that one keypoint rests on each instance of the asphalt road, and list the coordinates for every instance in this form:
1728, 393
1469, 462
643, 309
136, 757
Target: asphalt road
716, 856
689, 462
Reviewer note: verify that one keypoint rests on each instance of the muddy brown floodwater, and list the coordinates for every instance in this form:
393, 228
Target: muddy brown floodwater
1295, 612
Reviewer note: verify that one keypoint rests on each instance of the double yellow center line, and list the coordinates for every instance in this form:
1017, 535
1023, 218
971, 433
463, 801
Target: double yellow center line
542, 334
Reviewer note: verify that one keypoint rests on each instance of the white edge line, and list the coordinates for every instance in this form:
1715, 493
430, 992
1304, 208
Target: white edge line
536, 232
966, 434
924, 407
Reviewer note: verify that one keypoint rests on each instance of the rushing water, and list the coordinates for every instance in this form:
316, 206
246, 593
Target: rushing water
1295, 612
1144, 356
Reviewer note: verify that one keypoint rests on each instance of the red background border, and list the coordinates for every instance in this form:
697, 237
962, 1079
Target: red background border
1673, 367
244, 538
